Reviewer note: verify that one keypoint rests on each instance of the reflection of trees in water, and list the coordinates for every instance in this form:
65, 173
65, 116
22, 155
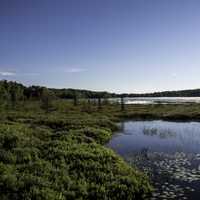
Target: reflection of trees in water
150, 131
161, 133
122, 126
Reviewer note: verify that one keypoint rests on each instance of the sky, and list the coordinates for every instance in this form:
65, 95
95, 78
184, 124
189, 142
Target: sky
110, 45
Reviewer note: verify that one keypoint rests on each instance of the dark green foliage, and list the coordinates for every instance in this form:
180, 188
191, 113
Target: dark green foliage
99, 135
14, 92
75, 100
11, 93
60, 155
47, 98
4, 95
122, 104
99, 103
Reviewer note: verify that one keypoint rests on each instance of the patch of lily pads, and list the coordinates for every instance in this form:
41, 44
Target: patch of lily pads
174, 176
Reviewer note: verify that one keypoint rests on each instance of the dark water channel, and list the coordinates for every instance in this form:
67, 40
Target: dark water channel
169, 152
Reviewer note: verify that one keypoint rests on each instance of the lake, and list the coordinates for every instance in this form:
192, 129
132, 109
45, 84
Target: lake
169, 152
158, 100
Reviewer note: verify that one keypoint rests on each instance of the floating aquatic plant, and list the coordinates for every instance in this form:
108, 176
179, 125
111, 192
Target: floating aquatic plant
175, 176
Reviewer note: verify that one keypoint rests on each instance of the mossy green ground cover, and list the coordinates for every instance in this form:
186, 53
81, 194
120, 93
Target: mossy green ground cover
61, 154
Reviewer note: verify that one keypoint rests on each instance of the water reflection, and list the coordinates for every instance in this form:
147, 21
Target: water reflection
162, 133
169, 152
159, 136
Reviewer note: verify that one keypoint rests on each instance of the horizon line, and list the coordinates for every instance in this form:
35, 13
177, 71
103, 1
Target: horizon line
136, 93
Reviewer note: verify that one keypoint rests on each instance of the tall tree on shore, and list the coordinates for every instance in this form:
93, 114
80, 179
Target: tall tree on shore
4, 96
47, 98
99, 103
16, 94
122, 103
75, 98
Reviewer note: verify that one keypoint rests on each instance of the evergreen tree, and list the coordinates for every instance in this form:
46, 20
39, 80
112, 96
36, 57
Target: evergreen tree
122, 103
47, 98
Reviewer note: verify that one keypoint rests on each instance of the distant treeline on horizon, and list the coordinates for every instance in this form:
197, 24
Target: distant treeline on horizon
10, 89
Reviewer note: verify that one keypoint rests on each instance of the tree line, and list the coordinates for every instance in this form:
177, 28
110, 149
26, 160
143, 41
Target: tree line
13, 92
179, 93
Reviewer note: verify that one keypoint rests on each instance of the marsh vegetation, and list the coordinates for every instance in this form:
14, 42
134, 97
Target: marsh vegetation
54, 148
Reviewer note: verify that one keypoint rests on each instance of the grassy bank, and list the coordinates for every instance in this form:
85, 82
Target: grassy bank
61, 155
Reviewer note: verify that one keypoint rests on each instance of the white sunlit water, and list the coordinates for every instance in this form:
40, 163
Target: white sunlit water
158, 100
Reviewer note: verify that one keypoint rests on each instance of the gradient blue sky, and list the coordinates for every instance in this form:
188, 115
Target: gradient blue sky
113, 45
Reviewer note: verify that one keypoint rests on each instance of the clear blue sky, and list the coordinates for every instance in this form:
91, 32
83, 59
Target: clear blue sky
113, 45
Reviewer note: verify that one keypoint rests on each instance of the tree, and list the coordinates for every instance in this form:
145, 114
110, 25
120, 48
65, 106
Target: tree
4, 95
122, 103
75, 99
47, 98
16, 93
99, 103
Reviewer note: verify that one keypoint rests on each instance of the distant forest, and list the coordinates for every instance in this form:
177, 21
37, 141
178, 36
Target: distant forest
14, 91
179, 93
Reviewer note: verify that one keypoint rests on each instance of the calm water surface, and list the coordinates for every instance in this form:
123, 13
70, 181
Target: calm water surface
169, 152
158, 100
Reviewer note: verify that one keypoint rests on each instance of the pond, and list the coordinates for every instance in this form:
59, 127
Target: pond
158, 100
169, 152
